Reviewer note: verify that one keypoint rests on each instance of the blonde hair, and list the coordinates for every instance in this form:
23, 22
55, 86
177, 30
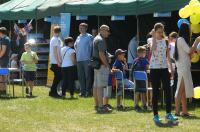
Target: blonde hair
141, 49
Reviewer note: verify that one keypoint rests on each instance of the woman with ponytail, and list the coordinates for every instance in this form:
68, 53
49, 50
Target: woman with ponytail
182, 58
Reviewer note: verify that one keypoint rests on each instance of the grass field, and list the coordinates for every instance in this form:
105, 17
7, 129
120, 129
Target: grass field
45, 114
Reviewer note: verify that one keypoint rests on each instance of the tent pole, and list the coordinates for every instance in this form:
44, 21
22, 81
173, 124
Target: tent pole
36, 28
98, 23
138, 29
10, 28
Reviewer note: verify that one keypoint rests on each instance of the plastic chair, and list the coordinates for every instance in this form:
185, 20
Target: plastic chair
141, 76
5, 72
120, 77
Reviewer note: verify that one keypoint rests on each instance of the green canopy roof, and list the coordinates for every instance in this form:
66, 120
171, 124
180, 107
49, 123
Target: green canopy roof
28, 9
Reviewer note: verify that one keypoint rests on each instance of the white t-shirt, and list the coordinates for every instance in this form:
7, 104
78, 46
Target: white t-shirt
66, 53
55, 41
159, 56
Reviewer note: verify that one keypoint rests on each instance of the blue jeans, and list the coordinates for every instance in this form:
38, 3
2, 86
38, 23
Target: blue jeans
84, 77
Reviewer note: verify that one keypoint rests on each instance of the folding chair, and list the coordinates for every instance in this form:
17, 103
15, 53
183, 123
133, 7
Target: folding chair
17, 80
5, 72
141, 76
120, 77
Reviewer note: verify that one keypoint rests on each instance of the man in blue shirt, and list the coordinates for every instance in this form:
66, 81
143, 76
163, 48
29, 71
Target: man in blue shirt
83, 47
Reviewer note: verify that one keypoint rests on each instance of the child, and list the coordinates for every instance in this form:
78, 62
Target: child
120, 64
29, 60
14, 64
107, 91
140, 64
13, 59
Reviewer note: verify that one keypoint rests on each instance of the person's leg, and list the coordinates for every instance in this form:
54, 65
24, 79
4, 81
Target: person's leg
57, 78
100, 96
81, 77
87, 71
71, 80
95, 96
165, 77
155, 78
119, 100
95, 89
64, 82
144, 101
184, 100
31, 84
178, 98
136, 99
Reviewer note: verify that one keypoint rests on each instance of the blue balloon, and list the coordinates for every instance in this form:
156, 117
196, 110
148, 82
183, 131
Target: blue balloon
181, 21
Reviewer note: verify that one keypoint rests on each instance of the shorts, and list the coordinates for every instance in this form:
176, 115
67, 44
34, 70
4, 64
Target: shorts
107, 92
29, 75
140, 86
101, 77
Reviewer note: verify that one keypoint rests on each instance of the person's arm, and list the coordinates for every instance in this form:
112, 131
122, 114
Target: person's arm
170, 63
154, 44
73, 58
125, 65
194, 46
3, 50
35, 58
114, 69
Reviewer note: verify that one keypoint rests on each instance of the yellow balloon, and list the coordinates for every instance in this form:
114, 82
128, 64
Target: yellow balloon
195, 28
195, 18
195, 58
193, 2
196, 9
184, 12
197, 92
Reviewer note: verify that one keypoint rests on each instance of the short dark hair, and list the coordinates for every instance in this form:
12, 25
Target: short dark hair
57, 29
173, 35
84, 25
141, 49
68, 40
3, 30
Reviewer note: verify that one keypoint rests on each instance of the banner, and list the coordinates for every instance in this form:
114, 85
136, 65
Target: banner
65, 24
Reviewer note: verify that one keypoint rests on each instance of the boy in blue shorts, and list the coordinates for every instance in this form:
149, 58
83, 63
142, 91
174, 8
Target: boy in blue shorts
140, 64
29, 60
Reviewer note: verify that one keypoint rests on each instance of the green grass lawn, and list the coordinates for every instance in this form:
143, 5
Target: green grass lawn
45, 114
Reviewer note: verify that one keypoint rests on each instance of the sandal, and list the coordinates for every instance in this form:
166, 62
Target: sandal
177, 114
185, 114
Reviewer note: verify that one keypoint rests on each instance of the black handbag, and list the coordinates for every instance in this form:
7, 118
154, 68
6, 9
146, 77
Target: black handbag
95, 63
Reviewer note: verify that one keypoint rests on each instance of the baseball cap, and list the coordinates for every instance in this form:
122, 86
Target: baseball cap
119, 52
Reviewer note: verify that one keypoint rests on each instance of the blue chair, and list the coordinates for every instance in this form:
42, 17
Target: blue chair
141, 76
5, 72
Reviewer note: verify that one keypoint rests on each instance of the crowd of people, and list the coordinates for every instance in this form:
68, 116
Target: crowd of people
87, 59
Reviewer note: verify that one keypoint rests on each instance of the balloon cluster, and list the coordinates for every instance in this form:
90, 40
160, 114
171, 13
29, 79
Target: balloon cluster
191, 10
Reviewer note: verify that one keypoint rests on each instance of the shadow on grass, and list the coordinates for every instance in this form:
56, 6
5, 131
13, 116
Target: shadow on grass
31, 97
9, 97
192, 117
167, 124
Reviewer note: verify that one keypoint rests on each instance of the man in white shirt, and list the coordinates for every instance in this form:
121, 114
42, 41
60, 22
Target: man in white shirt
55, 60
